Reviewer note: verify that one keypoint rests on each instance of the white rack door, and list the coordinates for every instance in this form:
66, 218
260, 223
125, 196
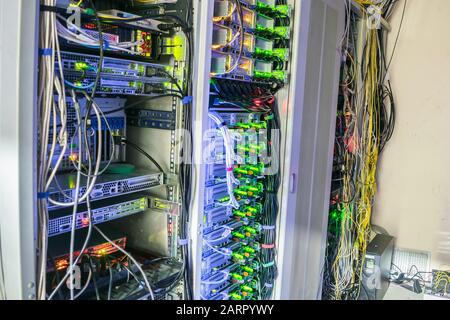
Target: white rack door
18, 79
309, 148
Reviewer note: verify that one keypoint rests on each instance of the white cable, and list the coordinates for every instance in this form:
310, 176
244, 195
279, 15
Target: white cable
88, 281
90, 187
85, 39
230, 157
75, 206
226, 275
131, 258
90, 221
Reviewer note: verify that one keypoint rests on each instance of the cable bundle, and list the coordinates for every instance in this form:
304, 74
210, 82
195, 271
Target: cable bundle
270, 210
53, 108
365, 123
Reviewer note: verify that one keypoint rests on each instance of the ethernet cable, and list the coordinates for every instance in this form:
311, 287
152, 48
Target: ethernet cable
225, 252
90, 226
230, 158
48, 82
75, 206
81, 37
88, 281
90, 187
226, 276
150, 290
113, 145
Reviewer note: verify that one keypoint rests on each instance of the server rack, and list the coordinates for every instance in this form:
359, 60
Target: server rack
310, 100
308, 125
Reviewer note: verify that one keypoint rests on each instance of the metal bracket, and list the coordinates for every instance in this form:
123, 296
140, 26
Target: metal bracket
154, 119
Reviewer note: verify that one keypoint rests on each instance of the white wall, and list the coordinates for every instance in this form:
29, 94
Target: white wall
413, 202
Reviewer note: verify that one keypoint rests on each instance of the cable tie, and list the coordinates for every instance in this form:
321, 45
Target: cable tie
268, 285
268, 246
183, 242
46, 52
43, 195
268, 227
269, 264
187, 99
222, 125
50, 9
106, 44
230, 169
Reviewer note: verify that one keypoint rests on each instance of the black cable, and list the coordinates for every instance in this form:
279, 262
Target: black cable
101, 55
110, 285
398, 36
92, 268
143, 152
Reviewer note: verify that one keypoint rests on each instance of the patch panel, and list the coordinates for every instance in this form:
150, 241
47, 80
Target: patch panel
238, 189
145, 118
230, 233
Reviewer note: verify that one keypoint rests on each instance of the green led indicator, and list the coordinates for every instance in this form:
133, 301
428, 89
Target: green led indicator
239, 214
282, 32
251, 230
235, 296
81, 66
281, 53
283, 9
224, 199
240, 171
243, 148
251, 209
248, 269
261, 125
240, 236
247, 288
243, 125
237, 277
249, 250
240, 192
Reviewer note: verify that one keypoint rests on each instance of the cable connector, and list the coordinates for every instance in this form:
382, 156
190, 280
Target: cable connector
187, 99
43, 195
167, 26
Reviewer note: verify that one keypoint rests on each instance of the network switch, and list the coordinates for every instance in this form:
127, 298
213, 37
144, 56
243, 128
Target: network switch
61, 220
59, 246
107, 186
